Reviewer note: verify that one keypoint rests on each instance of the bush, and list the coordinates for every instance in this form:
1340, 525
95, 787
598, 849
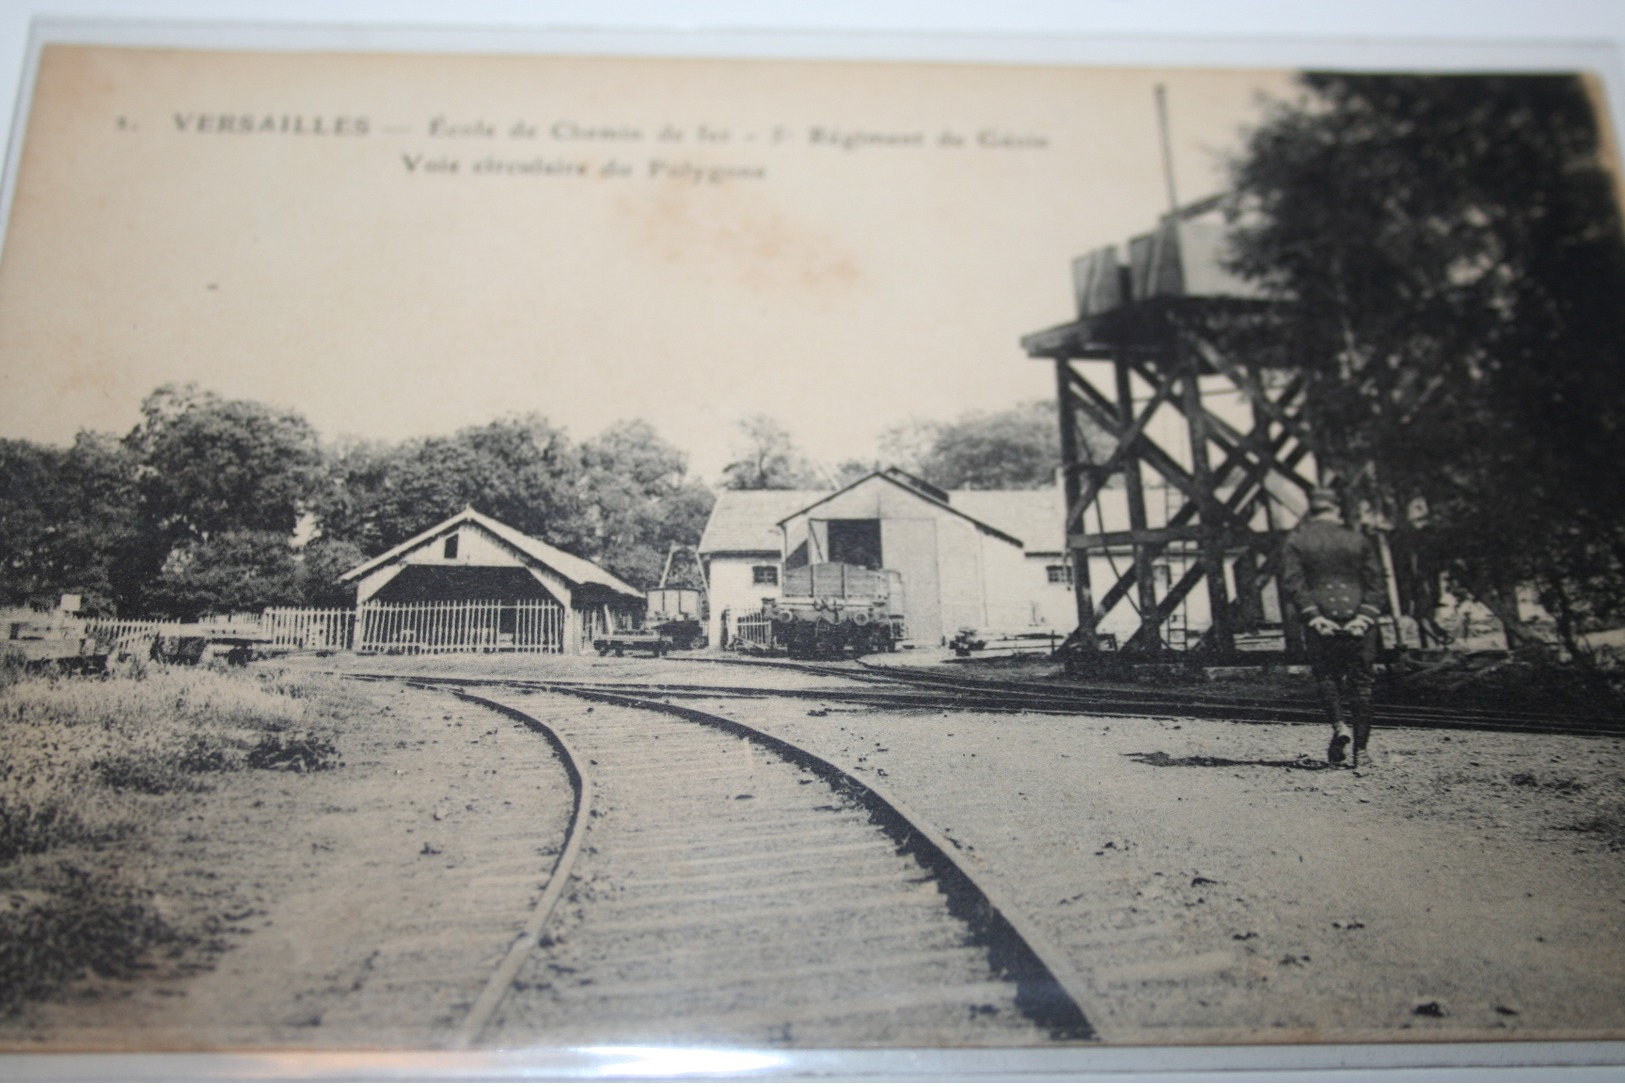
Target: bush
67, 921
13, 667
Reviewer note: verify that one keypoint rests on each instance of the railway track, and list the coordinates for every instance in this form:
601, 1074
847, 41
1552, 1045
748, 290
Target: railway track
720, 886
914, 688
964, 692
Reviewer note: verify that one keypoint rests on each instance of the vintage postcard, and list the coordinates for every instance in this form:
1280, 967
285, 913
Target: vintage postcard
548, 555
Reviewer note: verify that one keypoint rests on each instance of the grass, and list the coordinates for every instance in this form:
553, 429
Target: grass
70, 920
85, 763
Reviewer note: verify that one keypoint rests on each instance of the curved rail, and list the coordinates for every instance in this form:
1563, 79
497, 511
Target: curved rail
1046, 989
501, 980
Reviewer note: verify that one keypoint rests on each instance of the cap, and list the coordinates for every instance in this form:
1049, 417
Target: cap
1323, 499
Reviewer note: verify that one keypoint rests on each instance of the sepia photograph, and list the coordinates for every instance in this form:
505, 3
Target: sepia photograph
560, 553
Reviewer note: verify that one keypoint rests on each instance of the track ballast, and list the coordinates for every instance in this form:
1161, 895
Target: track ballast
724, 887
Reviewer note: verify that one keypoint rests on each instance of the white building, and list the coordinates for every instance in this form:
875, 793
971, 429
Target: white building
989, 560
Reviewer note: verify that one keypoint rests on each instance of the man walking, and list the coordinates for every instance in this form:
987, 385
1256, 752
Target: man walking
1332, 575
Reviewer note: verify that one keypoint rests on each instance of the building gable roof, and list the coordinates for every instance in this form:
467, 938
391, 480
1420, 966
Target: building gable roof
1034, 517
576, 570
747, 522
903, 480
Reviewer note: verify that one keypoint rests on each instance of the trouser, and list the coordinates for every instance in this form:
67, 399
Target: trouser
1344, 669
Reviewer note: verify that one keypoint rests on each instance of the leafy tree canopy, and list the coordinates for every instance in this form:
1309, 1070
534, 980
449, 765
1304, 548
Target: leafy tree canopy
1450, 260
766, 458
1018, 448
520, 470
211, 465
639, 501
620, 498
236, 570
67, 521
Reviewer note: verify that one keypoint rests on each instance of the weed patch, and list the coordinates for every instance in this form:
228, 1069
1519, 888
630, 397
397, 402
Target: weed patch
1520, 779
1563, 786
297, 751
68, 921
86, 762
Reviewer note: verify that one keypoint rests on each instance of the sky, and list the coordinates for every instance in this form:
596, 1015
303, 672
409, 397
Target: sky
402, 245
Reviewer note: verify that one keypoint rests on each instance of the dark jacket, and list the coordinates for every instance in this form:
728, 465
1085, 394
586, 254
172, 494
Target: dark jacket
1330, 570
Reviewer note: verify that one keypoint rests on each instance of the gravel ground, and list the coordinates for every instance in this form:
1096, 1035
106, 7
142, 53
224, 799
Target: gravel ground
1212, 882
1216, 883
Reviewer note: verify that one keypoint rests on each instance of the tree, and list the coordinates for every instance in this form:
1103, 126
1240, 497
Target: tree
521, 470
68, 522
1450, 262
639, 500
1018, 448
767, 459
248, 570
211, 465
852, 469
234, 570
619, 499
320, 565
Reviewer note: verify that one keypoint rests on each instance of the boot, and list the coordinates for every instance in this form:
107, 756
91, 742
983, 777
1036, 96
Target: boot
1362, 714
1338, 750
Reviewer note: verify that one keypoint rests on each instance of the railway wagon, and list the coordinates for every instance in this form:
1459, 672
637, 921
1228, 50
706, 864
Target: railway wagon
677, 615
835, 609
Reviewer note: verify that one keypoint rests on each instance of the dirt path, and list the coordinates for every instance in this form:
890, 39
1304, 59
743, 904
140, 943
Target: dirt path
1218, 884
365, 906
1212, 881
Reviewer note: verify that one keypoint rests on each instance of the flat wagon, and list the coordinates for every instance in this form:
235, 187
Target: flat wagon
836, 609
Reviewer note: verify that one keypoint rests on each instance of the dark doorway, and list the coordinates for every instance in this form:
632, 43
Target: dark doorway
855, 542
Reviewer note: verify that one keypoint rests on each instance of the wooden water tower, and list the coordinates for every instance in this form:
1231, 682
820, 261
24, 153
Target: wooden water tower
1211, 450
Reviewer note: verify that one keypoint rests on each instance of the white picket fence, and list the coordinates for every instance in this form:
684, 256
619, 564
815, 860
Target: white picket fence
533, 626
114, 629
309, 628
754, 630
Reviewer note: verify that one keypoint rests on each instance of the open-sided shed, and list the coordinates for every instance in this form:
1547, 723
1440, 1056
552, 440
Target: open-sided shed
472, 583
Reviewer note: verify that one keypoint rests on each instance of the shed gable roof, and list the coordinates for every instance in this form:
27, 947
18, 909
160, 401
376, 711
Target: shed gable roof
576, 570
1035, 517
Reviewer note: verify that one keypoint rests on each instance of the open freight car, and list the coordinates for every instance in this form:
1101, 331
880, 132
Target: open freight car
835, 609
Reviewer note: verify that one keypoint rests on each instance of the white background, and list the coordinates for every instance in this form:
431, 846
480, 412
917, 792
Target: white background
1452, 34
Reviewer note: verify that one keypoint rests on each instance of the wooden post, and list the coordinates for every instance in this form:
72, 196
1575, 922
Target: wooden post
1144, 583
1391, 583
1219, 639
1071, 457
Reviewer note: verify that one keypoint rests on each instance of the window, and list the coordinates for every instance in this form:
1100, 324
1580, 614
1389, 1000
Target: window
1060, 574
764, 575
451, 546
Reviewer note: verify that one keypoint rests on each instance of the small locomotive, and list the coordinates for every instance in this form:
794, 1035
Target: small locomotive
835, 609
